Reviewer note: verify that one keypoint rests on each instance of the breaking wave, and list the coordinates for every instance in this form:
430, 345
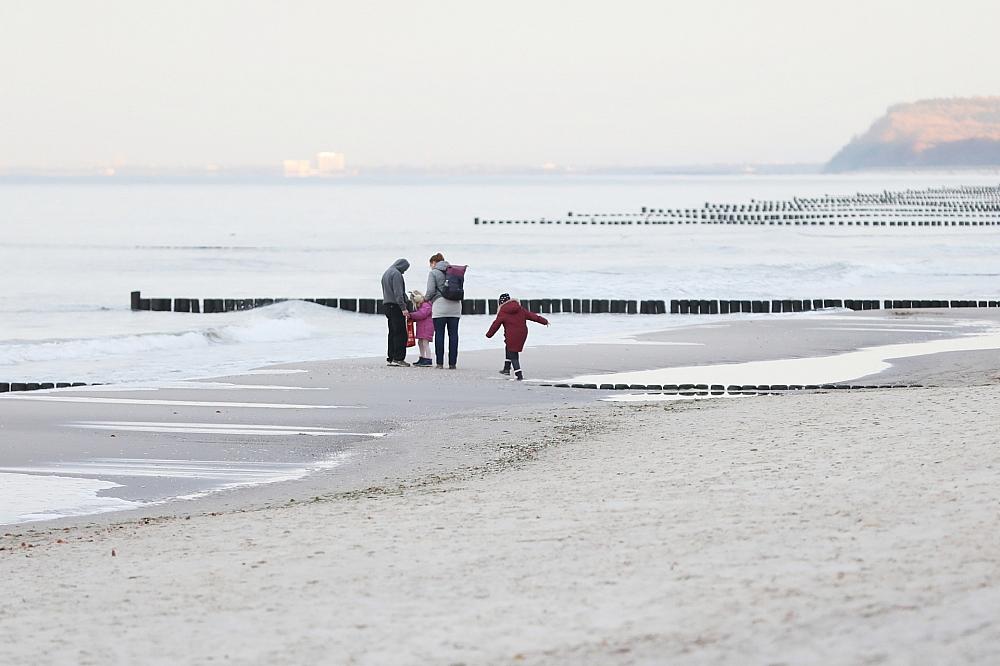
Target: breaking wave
284, 322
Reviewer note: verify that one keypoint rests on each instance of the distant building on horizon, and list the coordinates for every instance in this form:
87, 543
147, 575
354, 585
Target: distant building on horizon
330, 164
297, 168
327, 164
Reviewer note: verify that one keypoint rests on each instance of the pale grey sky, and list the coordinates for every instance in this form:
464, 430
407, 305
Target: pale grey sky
188, 82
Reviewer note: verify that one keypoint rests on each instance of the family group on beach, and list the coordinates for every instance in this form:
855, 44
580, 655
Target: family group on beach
437, 310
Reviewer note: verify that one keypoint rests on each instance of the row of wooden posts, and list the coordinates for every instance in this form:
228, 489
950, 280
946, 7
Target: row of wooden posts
946, 207
484, 306
748, 219
668, 389
731, 389
6, 387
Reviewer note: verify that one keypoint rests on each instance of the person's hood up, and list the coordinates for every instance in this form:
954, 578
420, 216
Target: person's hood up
401, 265
441, 266
510, 306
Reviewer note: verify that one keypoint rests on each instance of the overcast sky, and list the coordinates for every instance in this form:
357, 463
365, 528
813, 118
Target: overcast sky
189, 82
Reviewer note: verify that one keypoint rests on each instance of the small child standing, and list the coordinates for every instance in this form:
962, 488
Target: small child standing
514, 320
421, 314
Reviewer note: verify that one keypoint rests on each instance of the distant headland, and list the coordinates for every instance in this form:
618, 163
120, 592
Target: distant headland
956, 132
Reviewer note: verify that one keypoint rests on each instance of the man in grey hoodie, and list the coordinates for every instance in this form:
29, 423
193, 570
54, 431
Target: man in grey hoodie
396, 310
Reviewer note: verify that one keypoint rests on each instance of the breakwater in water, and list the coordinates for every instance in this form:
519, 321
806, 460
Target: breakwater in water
727, 389
484, 306
6, 387
970, 206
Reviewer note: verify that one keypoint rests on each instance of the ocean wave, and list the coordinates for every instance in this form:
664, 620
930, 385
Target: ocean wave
283, 322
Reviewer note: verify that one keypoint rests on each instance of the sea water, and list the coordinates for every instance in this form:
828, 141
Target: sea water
71, 253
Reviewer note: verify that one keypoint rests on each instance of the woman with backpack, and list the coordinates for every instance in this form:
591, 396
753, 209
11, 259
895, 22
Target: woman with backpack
445, 290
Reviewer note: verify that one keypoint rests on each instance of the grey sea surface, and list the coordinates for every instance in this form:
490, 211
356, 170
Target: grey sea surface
71, 320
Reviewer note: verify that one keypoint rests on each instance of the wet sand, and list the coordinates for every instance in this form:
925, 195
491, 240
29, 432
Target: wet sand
432, 418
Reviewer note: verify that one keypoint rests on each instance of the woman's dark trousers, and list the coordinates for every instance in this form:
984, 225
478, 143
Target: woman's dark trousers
397, 333
451, 323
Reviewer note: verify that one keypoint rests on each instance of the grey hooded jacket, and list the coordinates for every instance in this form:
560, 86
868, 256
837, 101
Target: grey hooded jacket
393, 285
440, 306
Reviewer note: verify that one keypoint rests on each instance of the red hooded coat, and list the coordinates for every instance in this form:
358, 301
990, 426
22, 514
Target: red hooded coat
514, 320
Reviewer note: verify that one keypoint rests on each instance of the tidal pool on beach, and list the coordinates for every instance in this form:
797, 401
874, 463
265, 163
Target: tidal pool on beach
30, 497
87, 487
812, 370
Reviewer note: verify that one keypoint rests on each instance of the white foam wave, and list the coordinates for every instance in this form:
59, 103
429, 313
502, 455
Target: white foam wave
283, 322
30, 497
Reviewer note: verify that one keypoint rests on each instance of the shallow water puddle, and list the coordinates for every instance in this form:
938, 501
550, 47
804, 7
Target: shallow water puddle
171, 403
59, 490
220, 470
814, 370
219, 428
871, 329
30, 497
184, 385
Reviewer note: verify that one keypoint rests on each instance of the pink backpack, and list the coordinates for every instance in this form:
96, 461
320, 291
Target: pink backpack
454, 283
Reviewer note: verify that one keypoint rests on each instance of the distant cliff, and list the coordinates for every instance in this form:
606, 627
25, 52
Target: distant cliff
958, 132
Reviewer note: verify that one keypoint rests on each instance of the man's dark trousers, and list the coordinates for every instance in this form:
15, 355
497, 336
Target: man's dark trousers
397, 333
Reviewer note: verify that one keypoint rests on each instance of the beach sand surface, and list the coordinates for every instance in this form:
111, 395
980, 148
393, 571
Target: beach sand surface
184, 438
825, 528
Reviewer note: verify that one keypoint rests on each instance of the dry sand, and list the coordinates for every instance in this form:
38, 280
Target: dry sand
838, 528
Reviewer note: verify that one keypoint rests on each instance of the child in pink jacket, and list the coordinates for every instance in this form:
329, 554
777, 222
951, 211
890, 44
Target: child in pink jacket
421, 314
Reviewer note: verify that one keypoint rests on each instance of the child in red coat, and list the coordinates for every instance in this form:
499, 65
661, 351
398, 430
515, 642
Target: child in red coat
514, 320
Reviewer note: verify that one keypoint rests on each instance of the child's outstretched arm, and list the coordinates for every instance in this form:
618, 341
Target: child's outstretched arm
493, 327
537, 318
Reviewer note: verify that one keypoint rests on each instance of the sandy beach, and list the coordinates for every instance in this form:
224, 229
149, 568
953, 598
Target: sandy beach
336, 426
446, 334
545, 526
825, 528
